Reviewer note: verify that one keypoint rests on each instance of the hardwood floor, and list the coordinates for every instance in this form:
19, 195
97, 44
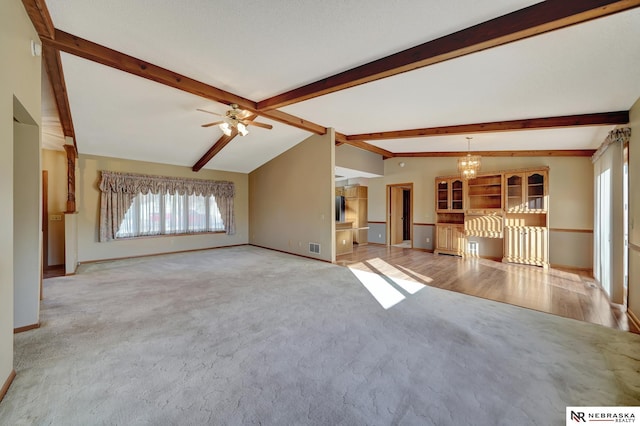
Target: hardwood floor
564, 293
53, 271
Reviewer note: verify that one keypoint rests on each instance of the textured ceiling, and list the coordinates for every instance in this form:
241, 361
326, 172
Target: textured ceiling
258, 49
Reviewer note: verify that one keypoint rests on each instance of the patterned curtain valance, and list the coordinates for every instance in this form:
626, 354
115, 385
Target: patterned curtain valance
131, 183
616, 135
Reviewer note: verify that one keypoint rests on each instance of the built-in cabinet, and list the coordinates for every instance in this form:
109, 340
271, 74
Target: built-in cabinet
509, 205
450, 239
526, 217
526, 244
450, 195
356, 211
450, 216
355, 225
526, 192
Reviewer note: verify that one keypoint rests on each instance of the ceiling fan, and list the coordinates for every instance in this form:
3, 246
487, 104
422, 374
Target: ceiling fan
235, 118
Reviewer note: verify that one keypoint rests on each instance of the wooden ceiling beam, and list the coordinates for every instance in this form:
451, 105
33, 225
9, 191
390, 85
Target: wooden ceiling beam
341, 139
597, 119
55, 73
214, 150
530, 153
539, 18
86, 49
41, 20
371, 148
40, 17
292, 120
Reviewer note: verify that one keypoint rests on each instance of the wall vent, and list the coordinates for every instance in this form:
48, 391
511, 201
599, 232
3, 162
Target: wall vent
314, 248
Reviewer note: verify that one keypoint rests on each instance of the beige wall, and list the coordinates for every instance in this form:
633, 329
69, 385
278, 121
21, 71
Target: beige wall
88, 206
27, 225
358, 159
570, 195
634, 211
20, 77
292, 199
55, 163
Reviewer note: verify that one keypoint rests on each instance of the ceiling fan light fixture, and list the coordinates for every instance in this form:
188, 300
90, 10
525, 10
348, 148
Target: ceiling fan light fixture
242, 129
226, 129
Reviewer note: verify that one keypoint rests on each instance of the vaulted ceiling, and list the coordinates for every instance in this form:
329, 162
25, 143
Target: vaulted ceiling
516, 75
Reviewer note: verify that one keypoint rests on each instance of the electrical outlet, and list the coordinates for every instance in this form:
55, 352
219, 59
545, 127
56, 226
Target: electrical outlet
428, 239
379, 235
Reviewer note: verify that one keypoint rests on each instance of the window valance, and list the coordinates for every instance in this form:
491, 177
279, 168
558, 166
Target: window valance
621, 135
132, 183
119, 189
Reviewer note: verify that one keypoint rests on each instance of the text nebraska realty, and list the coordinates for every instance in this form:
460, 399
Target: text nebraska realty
613, 417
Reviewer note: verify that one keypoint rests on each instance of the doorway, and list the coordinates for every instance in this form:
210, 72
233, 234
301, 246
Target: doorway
27, 220
400, 215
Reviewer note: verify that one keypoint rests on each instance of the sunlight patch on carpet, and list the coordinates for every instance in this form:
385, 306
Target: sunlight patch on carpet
386, 295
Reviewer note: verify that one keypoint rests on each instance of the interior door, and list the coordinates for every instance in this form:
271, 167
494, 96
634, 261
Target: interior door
396, 218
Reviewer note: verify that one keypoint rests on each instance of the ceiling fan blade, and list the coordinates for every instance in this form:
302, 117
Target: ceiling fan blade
209, 112
212, 124
258, 124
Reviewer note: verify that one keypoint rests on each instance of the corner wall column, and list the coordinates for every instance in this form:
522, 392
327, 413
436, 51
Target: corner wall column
71, 178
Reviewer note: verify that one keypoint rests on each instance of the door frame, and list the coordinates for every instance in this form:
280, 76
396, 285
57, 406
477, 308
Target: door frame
408, 186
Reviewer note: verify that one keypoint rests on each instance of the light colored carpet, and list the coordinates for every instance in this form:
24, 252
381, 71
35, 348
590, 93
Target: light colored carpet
251, 336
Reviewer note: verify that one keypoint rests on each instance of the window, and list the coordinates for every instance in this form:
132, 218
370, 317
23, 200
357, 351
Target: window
156, 214
133, 205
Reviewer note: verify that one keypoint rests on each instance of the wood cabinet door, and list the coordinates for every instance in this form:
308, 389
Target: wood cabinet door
513, 244
527, 245
457, 238
536, 246
443, 240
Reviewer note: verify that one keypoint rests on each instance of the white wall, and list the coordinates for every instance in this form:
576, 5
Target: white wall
292, 199
88, 207
20, 78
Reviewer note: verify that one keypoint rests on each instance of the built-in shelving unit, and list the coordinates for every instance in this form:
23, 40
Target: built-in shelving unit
509, 205
485, 193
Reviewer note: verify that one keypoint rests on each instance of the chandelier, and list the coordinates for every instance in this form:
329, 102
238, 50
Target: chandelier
469, 165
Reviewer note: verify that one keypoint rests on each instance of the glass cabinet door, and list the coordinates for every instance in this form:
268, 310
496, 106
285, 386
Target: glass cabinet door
456, 194
443, 195
515, 200
535, 192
